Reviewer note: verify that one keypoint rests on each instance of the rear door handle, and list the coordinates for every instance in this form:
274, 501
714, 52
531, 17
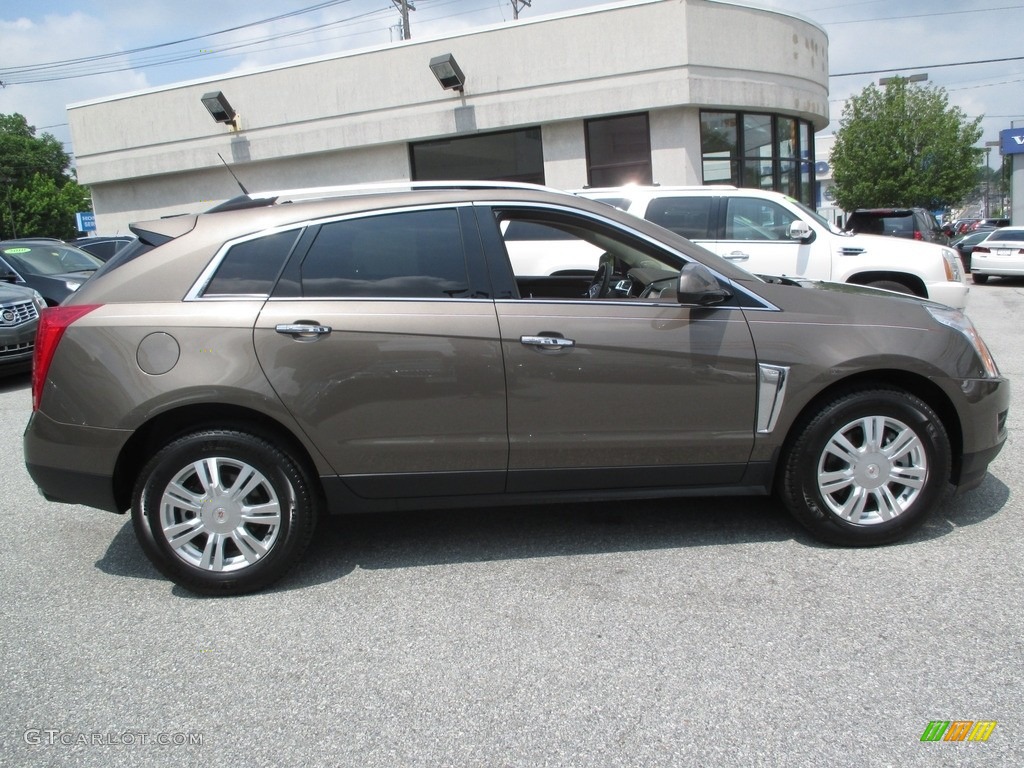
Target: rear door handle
547, 342
737, 256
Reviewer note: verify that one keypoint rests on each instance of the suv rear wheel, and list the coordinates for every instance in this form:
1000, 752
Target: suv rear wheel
867, 468
223, 512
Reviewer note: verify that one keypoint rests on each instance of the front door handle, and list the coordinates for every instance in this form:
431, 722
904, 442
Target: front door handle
737, 256
303, 330
547, 342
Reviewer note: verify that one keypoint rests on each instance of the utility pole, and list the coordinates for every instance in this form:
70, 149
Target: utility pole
405, 6
518, 5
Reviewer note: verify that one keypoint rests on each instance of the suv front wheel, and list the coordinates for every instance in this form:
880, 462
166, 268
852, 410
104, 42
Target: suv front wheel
222, 512
867, 468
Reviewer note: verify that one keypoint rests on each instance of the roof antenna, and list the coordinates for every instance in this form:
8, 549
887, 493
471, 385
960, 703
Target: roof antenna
240, 185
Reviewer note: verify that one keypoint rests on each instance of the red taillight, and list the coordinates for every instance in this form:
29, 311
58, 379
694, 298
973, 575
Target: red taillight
53, 321
918, 236
981, 249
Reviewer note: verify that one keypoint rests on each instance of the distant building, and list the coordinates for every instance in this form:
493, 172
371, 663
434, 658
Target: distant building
666, 91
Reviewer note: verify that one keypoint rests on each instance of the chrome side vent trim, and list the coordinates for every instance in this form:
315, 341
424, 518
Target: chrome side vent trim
771, 392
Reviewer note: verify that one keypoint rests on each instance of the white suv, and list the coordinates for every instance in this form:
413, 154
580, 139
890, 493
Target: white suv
770, 233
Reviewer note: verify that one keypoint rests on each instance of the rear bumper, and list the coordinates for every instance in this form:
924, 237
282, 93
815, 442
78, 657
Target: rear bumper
67, 487
985, 264
73, 464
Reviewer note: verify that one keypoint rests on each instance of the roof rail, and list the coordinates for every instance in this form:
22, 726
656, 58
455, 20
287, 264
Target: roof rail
398, 186
260, 199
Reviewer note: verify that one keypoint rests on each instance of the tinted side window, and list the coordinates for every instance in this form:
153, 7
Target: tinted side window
749, 218
415, 254
252, 267
686, 216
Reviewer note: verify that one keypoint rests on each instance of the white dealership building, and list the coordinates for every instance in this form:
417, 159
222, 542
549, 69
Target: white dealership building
664, 91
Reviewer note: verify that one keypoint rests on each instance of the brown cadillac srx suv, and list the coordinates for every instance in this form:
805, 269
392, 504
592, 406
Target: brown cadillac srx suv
233, 375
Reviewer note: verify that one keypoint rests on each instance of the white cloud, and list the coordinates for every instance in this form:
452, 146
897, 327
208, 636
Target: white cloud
57, 37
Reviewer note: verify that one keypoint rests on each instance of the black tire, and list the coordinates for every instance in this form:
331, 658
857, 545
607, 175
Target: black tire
849, 501
890, 285
225, 543
979, 279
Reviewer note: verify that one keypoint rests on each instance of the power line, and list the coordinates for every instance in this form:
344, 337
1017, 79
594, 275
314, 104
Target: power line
86, 59
922, 15
927, 66
75, 71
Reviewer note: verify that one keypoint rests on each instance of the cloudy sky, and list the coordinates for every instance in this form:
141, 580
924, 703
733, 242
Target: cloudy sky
97, 48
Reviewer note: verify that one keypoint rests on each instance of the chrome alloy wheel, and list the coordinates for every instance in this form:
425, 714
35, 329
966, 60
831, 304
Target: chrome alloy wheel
220, 514
872, 470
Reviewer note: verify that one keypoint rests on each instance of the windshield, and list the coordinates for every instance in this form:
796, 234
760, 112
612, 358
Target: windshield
48, 259
817, 217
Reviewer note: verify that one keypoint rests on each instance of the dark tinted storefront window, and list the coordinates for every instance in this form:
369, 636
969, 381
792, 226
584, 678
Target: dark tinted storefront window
618, 151
761, 151
719, 134
505, 156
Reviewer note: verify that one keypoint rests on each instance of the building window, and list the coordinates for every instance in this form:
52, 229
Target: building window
505, 156
618, 151
761, 151
719, 134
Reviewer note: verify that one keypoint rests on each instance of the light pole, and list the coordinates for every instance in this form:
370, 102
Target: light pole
988, 176
920, 77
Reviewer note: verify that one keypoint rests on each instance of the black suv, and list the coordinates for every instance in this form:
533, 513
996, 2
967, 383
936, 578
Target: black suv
912, 223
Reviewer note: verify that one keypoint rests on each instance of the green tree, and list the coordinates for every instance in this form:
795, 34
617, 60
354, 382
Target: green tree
903, 145
43, 209
38, 196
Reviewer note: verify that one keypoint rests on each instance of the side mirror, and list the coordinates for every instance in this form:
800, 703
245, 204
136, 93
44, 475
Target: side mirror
800, 230
8, 277
699, 287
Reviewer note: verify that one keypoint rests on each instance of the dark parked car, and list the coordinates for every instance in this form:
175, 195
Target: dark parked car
964, 244
988, 224
53, 268
102, 247
19, 316
912, 223
233, 374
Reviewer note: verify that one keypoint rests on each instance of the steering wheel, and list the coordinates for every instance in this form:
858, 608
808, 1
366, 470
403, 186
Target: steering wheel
600, 286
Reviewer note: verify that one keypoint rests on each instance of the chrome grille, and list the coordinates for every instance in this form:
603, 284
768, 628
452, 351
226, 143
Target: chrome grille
16, 314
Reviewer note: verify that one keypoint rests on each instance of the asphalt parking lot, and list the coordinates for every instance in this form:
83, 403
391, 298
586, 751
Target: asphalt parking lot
703, 632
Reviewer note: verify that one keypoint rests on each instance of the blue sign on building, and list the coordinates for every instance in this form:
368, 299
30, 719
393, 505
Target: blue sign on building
86, 221
1011, 141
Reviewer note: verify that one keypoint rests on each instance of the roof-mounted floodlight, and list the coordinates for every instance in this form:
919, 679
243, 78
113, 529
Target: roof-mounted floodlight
447, 72
219, 108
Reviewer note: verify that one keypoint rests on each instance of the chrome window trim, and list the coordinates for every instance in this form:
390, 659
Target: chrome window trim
615, 303
365, 299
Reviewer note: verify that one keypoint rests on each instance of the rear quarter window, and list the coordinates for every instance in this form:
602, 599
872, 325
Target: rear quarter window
252, 267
